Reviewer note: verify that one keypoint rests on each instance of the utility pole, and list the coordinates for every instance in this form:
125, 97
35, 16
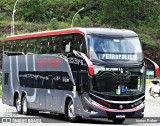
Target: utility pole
75, 16
12, 24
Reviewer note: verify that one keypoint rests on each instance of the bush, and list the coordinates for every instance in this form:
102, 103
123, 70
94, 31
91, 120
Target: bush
64, 25
1, 17
82, 22
146, 39
86, 22
54, 23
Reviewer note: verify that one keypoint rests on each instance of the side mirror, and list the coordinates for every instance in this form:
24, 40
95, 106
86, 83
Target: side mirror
156, 67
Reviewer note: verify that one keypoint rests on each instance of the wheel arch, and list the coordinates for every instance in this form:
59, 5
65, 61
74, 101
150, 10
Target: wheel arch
68, 99
23, 94
16, 94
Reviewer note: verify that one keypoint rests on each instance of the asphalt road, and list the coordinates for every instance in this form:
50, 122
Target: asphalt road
152, 116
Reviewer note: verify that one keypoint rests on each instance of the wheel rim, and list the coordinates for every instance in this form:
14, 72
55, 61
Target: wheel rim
18, 105
24, 106
71, 110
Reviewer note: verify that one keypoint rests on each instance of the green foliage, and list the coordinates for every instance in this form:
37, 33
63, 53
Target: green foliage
82, 22
146, 39
126, 13
86, 22
1, 17
64, 24
54, 23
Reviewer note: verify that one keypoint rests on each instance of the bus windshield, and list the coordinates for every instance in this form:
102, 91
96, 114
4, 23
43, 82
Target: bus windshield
110, 48
118, 81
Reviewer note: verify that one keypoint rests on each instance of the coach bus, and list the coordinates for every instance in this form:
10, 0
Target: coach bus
78, 72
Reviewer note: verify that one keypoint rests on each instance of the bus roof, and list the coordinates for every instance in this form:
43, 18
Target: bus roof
98, 31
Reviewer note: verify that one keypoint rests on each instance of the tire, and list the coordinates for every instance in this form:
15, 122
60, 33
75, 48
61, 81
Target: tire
18, 105
118, 121
70, 113
25, 109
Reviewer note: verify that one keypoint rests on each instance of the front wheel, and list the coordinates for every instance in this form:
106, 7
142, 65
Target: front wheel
70, 112
118, 121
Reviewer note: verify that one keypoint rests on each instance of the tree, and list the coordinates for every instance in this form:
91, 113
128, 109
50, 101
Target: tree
125, 13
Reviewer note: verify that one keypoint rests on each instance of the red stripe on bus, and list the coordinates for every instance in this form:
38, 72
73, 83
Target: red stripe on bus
115, 110
43, 34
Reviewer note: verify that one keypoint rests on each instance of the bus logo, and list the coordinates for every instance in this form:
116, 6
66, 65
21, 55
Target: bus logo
121, 106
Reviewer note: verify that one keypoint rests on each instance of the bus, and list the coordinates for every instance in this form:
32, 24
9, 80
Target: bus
77, 72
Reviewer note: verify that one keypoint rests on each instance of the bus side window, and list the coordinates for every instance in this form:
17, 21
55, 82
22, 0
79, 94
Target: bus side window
79, 43
67, 43
31, 45
44, 45
30, 48
6, 78
22, 46
57, 48
51, 44
7, 46
14, 46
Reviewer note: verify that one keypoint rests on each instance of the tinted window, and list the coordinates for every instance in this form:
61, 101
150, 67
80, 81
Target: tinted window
47, 80
22, 45
44, 44
7, 46
14, 46
79, 43
48, 45
31, 45
6, 78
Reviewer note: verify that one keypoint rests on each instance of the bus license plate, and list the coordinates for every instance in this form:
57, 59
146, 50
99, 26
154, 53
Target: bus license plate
120, 116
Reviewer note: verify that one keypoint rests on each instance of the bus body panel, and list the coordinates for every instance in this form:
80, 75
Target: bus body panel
36, 96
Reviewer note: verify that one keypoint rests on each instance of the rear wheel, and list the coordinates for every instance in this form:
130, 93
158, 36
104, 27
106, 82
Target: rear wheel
25, 109
18, 105
118, 121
